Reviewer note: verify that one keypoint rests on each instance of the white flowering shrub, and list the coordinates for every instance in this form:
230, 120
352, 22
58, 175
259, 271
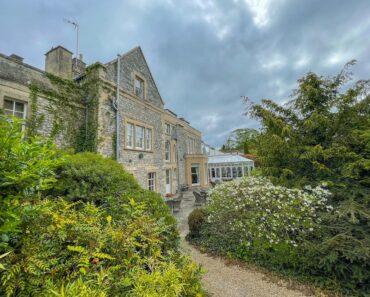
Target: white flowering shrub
255, 210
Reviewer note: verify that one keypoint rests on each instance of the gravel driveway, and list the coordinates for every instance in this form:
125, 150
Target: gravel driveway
221, 280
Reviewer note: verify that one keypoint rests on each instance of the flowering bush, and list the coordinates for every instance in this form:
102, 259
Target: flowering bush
257, 210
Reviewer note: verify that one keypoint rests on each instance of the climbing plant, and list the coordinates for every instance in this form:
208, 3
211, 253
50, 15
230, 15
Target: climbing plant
71, 110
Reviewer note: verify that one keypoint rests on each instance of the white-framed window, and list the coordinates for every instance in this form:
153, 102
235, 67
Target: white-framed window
14, 108
192, 143
151, 181
148, 139
129, 135
167, 149
139, 87
174, 153
139, 137
168, 129
217, 172
195, 174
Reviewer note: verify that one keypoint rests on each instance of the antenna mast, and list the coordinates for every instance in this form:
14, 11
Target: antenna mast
77, 27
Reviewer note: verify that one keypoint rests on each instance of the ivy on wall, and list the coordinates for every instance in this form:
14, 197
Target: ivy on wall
71, 108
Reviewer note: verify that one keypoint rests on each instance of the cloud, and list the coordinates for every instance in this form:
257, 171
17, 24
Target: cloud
204, 54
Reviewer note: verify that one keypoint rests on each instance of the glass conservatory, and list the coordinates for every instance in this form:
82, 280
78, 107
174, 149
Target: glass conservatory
228, 167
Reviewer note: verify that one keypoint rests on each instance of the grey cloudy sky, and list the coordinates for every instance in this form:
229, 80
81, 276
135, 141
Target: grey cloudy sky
204, 54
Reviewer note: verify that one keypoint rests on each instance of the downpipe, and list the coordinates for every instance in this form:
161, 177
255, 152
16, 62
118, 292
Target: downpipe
116, 107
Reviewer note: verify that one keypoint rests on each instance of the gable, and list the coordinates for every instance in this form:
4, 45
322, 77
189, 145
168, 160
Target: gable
133, 63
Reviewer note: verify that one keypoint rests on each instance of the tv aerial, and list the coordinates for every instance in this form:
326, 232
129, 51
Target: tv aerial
76, 27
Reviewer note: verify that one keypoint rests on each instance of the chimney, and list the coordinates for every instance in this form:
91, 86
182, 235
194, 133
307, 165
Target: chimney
58, 61
78, 66
16, 58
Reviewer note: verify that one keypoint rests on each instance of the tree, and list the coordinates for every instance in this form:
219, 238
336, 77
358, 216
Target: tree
241, 140
322, 136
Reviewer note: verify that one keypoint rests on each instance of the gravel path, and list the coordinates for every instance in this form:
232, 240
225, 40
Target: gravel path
221, 280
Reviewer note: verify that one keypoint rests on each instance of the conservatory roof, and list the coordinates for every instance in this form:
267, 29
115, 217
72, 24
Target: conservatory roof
228, 158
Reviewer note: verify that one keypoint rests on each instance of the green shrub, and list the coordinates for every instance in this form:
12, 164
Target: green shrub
95, 233
26, 169
289, 231
90, 177
195, 221
258, 211
79, 247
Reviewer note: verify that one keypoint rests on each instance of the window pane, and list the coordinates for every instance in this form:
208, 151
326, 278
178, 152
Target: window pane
8, 112
148, 139
139, 137
167, 150
139, 87
195, 178
19, 115
151, 181
130, 134
8, 104
224, 174
240, 172
19, 107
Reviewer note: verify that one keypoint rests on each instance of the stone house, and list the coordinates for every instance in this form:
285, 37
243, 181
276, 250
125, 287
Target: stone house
113, 108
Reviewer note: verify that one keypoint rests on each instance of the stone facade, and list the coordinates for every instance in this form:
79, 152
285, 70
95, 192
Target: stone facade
16, 78
161, 150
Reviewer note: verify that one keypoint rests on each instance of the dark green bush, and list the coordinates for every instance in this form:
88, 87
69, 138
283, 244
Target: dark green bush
90, 177
195, 221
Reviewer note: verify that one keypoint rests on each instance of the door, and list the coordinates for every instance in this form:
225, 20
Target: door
195, 178
168, 181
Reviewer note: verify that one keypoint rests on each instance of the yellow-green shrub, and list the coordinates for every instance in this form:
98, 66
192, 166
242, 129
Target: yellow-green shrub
77, 244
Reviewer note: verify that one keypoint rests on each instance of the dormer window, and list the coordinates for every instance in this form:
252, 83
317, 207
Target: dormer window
139, 87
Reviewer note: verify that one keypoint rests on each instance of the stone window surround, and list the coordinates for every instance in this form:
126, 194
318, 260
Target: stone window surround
135, 75
141, 124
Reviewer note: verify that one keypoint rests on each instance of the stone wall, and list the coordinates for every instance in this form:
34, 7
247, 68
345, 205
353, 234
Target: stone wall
138, 162
134, 63
16, 78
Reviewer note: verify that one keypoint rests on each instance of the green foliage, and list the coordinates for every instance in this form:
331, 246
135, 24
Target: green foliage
92, 178
241, 140
26, 169
195, 221
322, 137
81, 226
80, 245
73, 108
